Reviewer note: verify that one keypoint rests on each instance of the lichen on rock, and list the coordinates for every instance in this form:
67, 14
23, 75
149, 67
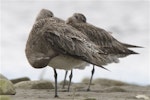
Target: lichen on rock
6, 86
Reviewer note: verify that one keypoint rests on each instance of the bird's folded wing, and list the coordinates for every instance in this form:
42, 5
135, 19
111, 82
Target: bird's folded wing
102, 38
67, 40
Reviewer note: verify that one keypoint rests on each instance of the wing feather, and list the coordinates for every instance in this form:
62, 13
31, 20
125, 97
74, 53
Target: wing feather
67, 40
103, 39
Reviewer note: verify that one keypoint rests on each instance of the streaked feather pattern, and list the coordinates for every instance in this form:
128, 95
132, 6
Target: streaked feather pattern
99, 36
71, 41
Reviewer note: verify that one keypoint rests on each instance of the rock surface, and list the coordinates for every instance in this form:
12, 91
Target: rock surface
144, 97
2, 77
109, 82
35, 85
14, 81
114, 89
6, 86
4, 97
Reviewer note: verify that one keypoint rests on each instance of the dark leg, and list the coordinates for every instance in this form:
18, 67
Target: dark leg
93, 70
70, 78
55, 75
65, 80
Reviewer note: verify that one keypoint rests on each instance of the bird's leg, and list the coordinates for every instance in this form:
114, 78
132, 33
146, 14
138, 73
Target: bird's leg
65, 80
55, 75
70, 78
93, 70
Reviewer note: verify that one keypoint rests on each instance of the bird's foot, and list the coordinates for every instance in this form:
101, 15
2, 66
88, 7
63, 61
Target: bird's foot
88, 89
56, 96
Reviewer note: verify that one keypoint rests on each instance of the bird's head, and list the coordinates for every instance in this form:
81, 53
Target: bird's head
76, 18
44, 13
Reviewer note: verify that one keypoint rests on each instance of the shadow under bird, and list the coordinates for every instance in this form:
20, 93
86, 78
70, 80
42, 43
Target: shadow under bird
101, 38
60, 46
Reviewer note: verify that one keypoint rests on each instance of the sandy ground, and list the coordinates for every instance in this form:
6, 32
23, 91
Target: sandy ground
98, 92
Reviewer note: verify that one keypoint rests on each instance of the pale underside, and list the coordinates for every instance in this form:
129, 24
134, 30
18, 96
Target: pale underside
67, 62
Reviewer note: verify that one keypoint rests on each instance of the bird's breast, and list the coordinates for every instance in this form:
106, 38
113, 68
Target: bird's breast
67, 62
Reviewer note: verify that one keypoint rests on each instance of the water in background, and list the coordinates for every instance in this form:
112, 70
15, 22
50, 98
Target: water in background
127, 20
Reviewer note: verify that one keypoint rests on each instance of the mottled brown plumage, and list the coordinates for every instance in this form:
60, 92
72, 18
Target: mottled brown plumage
54, 43
48, 36
51, 37
100, 36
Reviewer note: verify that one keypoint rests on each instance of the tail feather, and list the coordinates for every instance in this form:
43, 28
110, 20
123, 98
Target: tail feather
131, 46
104, 68
132, 52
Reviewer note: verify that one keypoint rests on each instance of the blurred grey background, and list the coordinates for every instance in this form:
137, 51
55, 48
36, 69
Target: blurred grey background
128, 20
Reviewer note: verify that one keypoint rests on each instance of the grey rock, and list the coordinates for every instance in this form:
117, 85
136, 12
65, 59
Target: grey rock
141, 96
90, 99
14, 81
4, 97
35, 85
109, 82
2, 77
6, 86
115, 89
